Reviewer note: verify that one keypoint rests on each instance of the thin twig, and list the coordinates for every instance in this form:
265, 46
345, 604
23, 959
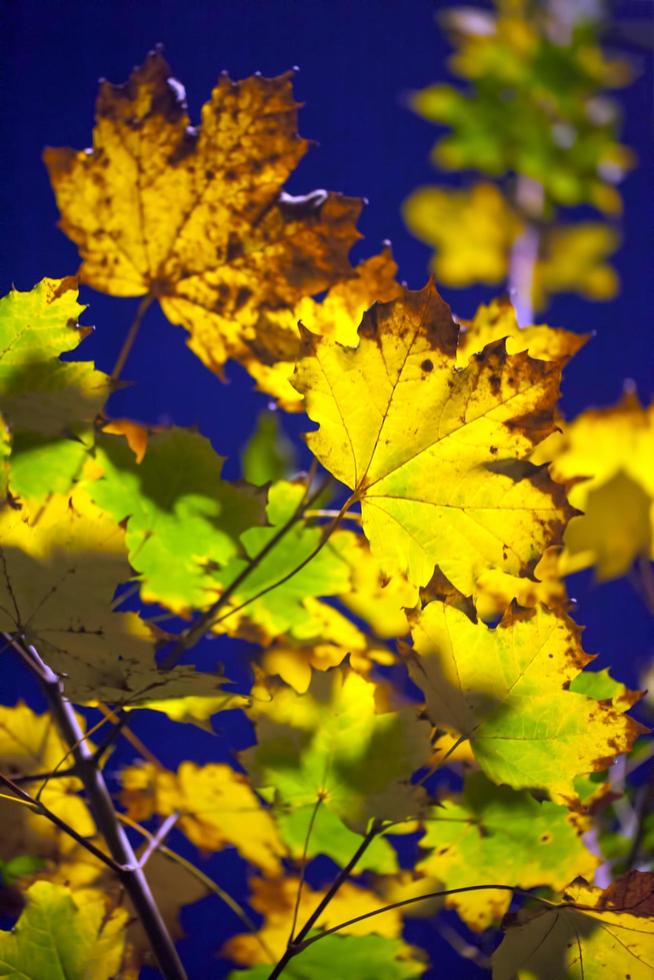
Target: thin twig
297, 944
303, 867
44, 811
207, 620
209, 884
158, 838
144, 305
421, 898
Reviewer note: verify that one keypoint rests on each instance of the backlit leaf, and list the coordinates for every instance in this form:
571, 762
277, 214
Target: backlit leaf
492, 834
608, 454
216, 807
357, 956
57, 939
182, 519
508, 691
335, 746
196, 216
593, 935
275, 900
60, 569
277, 346
436, 454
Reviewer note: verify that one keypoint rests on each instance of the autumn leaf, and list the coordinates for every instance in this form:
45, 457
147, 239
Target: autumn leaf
48, 404
29, 745
436, 455
471, 230
493, 834
288, 607
333, 747
275, 901
183, 520
269, 454
330, 836
217, 807
607, 455
508, 690
58, 574
39, 392
497, 320
574, 259
58, 939
196, 216
275, 350
592, 935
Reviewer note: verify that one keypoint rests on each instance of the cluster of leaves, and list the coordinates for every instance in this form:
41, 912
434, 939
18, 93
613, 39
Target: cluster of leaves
408, 609
532, 116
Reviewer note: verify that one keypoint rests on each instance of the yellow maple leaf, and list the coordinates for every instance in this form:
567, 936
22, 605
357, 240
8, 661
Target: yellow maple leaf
590, 936
275, 901
217, 807
274, 351
574, 260
471, 230
436, 455
497, 319
196, 217
507, 690
61, 565
30, 744
608, 456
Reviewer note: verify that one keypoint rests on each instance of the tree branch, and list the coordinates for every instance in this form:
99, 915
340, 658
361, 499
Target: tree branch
100, 803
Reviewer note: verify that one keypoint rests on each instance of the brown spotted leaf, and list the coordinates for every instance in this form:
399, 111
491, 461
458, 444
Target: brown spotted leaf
196, 216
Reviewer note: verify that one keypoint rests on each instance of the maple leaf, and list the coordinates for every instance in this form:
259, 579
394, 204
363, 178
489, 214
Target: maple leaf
57, 938
497, 320
274, 899
508, 691
39, 392
574, 260
183, 520
48, 404
333, 745
196, 216
288, 607
30, 744
607, 455
495, 834
593, 935
59, 570
216, 807
471, 230
275, 349
436, 455
331, 837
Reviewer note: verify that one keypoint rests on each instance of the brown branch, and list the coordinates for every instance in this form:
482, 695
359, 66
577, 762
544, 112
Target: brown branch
128, 343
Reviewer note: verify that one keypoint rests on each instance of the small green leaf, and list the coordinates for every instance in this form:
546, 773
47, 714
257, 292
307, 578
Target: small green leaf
183, 519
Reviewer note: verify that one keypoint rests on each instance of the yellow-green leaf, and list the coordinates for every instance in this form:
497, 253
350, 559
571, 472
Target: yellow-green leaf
508, 691
436, 455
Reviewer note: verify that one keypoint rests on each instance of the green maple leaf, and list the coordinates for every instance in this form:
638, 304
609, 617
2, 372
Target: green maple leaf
61, 940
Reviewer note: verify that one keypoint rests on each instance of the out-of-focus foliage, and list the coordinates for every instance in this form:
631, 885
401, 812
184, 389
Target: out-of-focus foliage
531, 112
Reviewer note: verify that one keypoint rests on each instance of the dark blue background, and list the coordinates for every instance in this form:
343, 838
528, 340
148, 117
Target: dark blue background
357, 59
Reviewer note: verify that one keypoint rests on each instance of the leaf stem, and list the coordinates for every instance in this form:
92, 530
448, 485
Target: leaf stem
420, 898
128, 343
128, 871
297, 945
207, 620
